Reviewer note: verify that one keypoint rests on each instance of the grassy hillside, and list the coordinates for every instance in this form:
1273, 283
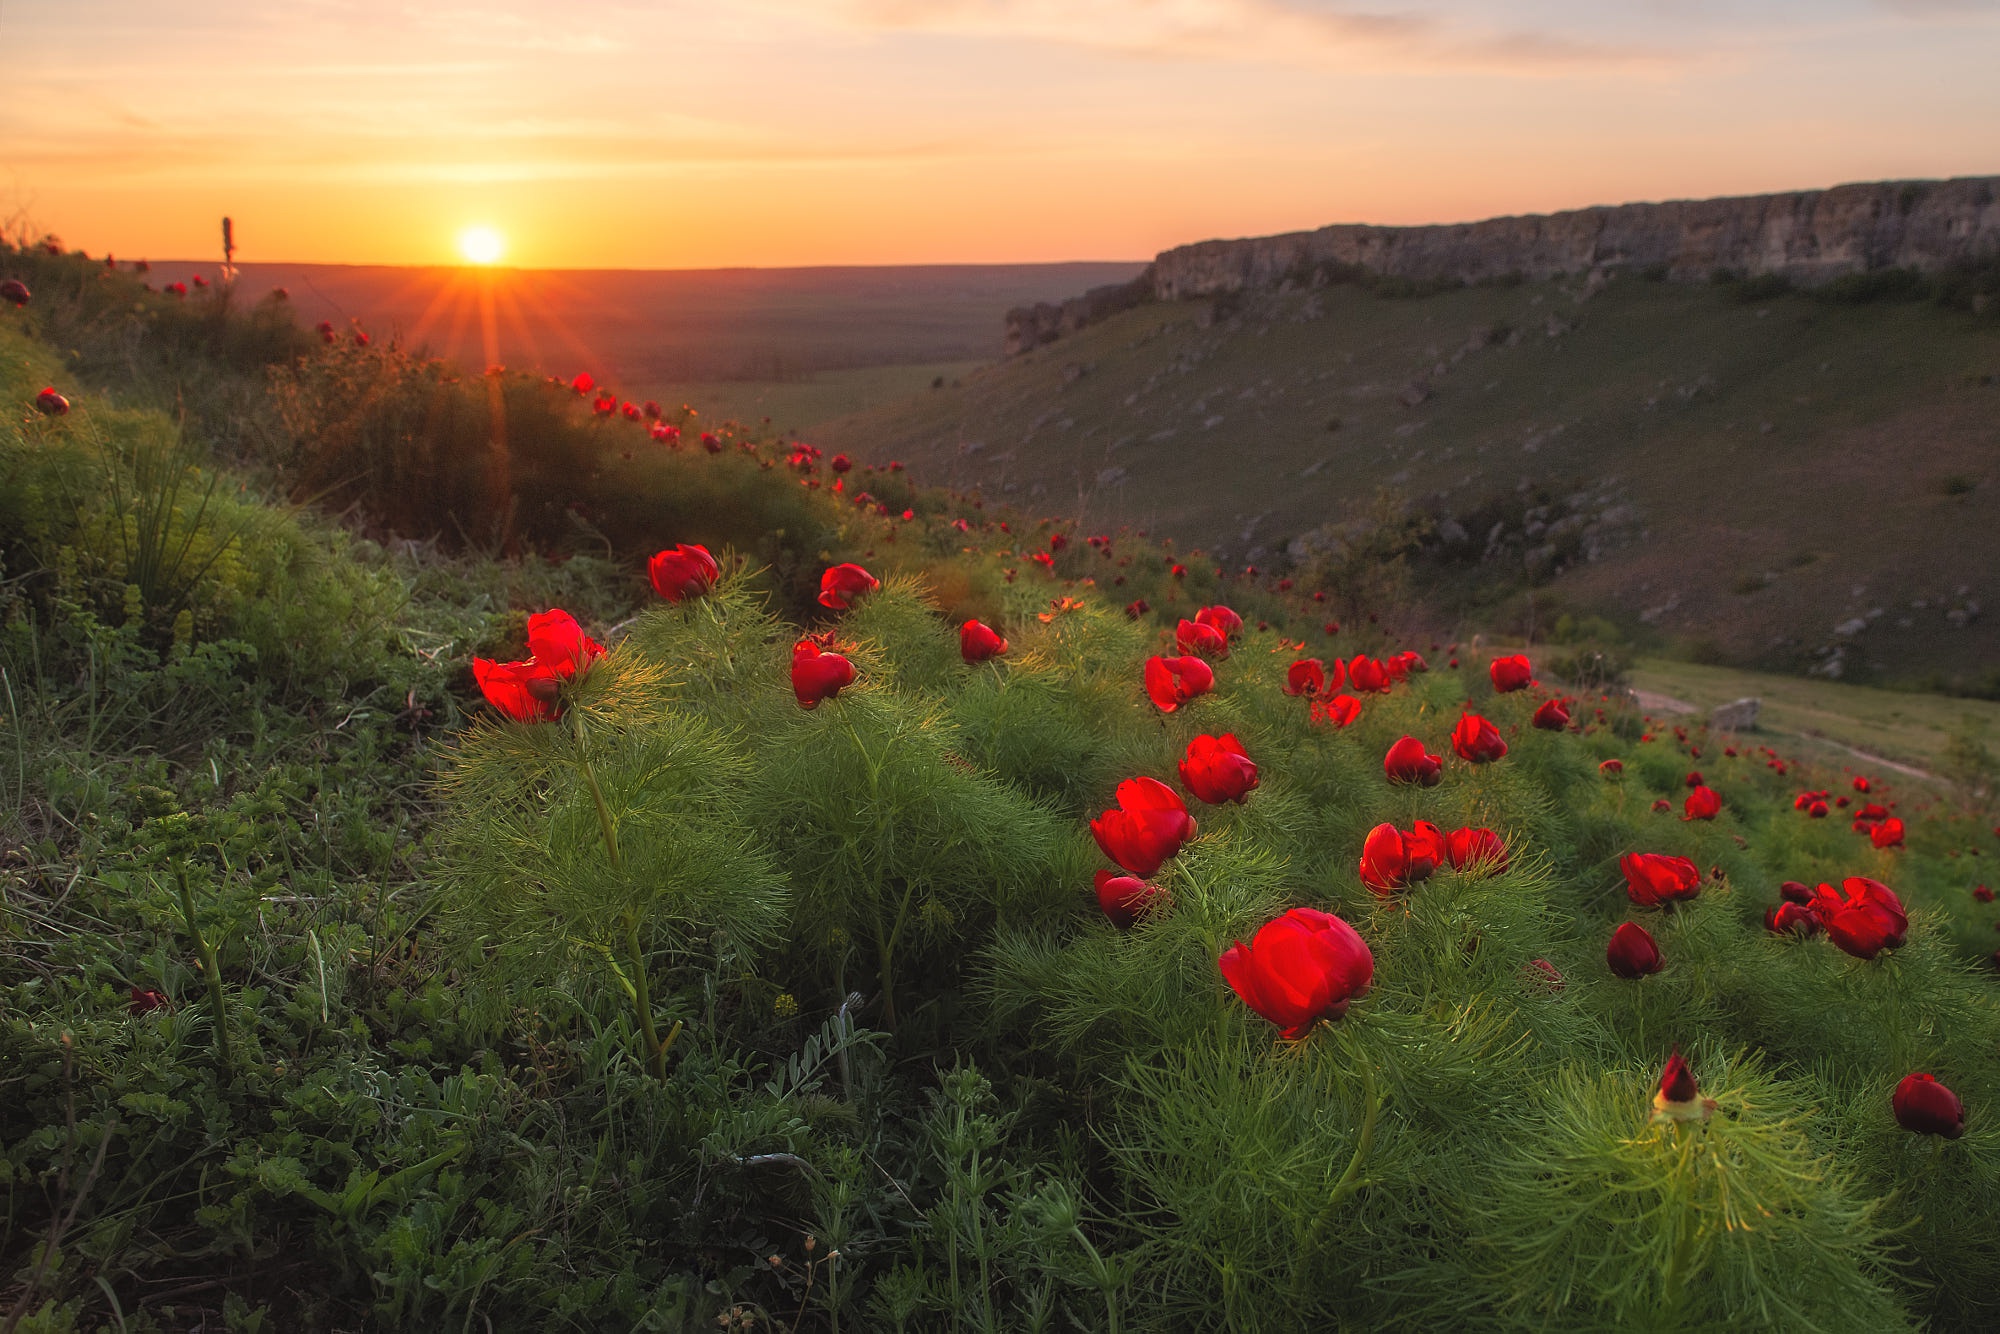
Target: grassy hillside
1743, 471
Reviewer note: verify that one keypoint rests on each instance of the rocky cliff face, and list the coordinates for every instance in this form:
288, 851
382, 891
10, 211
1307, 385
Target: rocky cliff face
1809, 237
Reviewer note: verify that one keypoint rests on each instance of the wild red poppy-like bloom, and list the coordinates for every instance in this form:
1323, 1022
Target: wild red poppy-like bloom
1887, 834
1368, 674
1172, 682
1655, 878
1791, 919
1476, 740
325, 329
1702, 804
1693, 779
199, 281
582, 384
526, 691
1982, 893
651, 409
1218, 769
1404, 665
1862, 785
15, 292
1679, 1098
1543, 974
1511, 673
1148, 826
1124, 898
175, 289
1178, 571
1205, 640
1632, 952
1868, 921
1137, 607
629, 410
361, 339
841, 586
978, 641
711, 442
1305, 677
683, 572
1340, 711
1553, 716
1612, 768
1481, 849
559, 643
145, 1002
1393, 859
818, 675
1408, 762
1925, 1107
1794, 891
841, 463
1299, 969
50, 403
604, 405
1872, 811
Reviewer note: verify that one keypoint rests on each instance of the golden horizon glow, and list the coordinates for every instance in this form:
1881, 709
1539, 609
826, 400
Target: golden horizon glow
482, 245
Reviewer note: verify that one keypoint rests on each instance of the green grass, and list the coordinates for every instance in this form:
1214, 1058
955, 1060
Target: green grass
1759, 472
1905, 726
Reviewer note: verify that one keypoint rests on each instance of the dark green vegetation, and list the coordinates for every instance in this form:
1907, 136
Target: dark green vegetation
1765, 477
394, 1079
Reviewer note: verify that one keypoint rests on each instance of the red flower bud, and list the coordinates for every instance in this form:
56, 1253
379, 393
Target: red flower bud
1632, 952
1408, 762
1511, 673
1172, 682
1926, 1107
1679, 1098
1702, 804
1982, 893
978, 641
683, 572
1137, 607
1217, 769
841, 586
1476, 849
1147, 827
50, 403
1613, 768
1654, 878
1124, 898
1553, 716
1544, 974
1476, 740
1793, 891
15, 292
841, 463
1693, 779
818, 675
1299, 969
1791, 919
1863, 785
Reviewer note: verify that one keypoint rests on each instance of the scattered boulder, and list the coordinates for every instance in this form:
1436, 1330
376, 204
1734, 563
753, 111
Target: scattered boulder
1736, 716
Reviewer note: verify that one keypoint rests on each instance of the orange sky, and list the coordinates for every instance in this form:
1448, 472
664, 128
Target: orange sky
661, 134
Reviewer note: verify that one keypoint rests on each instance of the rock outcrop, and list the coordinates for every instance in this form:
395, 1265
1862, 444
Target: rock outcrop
1808, 237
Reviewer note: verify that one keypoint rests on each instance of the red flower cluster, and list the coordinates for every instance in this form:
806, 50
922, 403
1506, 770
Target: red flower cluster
528, 691
1408, 762
1299, 969
683, 572
1218, 769
1812, 803
1146, 828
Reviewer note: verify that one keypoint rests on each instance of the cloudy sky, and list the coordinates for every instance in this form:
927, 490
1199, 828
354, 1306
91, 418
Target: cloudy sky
664, 134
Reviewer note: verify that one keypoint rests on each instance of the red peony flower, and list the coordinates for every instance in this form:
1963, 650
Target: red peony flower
1553, 716
1205, 640
582, 384
1217, 769
1408, 762
1613, 768
1982, 893
1925, 1107
1887, 834
818, 675
1340, 711
1653, 879
1476, 849
1791, 919
651, 409
841, 463
1863, 785
1306, 677
1137, 607
1224, 621
1367, 674
15, 292
325, 330
1816, 810
1702, 804
559, 644
1632, 952
1125, 898
1679, 1098
1405, 664
1692, 780
524, 691
1511, 673
1476, 740
145, 1002
1172, 682
1869, 920
50, 403
1793, 891
1299, 969
978, 641
1392, 859
841, 586
683, 572
1543, 974
1147, 827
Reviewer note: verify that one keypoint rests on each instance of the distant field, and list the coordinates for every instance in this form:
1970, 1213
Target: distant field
1906, 727
1788, 479
803, 403
649, 327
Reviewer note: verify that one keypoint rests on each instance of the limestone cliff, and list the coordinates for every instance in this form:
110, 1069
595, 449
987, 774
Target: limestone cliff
1810, 237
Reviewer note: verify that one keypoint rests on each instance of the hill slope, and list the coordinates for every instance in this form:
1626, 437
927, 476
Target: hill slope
1752, 473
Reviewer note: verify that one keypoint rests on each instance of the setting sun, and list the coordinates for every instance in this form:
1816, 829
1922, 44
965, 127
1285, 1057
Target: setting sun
481, 245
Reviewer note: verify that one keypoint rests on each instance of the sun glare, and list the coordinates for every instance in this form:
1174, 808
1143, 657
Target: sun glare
481, 245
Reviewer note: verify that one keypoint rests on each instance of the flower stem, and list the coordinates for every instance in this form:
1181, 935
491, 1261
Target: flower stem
211, 970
